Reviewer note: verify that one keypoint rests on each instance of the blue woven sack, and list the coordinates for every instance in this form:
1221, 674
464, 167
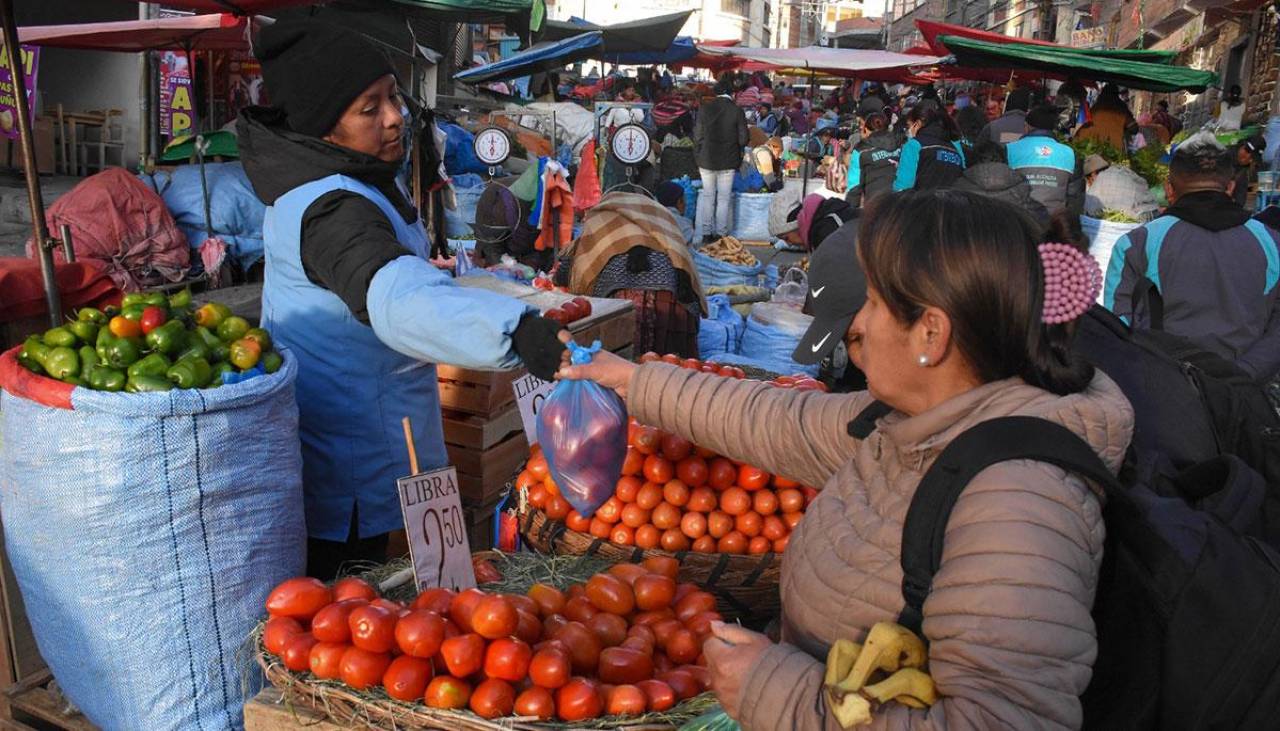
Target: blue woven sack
145, 531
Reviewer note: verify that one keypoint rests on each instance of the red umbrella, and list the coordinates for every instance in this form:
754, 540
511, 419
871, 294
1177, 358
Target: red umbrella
195, 32
236, 7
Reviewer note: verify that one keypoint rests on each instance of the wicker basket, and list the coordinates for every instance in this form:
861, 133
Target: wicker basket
745, 586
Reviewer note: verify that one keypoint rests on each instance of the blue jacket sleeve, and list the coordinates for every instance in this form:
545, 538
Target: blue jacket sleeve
1123, 272
855, 170
418, 310
908, 161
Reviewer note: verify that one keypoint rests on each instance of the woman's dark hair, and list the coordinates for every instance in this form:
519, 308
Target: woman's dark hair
929, 113
970, 121
876, 121
976, 259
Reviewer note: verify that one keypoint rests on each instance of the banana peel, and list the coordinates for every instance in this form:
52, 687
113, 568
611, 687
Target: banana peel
849, 709
889, 647
840, 659
905, 685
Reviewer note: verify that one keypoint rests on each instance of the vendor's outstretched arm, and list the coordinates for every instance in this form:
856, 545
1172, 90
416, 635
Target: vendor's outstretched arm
800, 435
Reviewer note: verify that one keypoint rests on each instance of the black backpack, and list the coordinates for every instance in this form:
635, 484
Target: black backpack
1188, 601
1190, 405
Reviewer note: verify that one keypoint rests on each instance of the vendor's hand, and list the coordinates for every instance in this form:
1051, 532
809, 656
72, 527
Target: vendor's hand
731, 653
540, 343
605, 368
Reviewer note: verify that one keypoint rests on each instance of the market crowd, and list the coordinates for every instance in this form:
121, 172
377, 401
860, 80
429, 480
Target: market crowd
947, 268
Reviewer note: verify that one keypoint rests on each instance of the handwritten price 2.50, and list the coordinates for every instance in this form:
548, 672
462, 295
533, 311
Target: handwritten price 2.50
448, 531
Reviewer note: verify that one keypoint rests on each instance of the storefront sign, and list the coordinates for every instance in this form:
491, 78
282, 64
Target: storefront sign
176, 105
1089, 38
244, 81
531, 394
29, 58
436, 530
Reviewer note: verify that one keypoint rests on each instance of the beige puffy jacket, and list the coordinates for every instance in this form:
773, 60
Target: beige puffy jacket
1011, 639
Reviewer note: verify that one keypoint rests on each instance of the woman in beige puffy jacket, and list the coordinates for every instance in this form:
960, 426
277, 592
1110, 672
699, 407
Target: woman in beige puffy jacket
951, 335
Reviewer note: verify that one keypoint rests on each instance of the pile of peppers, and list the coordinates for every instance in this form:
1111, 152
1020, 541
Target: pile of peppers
152, 342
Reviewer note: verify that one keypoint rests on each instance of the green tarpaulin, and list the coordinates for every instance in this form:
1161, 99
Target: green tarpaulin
479, 10
1106, 66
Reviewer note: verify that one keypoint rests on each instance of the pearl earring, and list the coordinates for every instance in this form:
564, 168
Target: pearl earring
924, 360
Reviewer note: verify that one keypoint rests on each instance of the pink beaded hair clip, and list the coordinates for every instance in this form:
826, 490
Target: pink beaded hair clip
1072, 281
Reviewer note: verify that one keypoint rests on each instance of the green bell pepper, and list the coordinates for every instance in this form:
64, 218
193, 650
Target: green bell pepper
121, 353
73, 380
191, 373
30, 363
133, 312
211, 314
107, 379
62, 362
169, 338
180, 300
232, 329
91, 314
59, 337
101, 342
156, 299
87, 332
221, 354
35, 348
195, 349
218, 370
147, 384
133, 298
88, 361
152, 365
272, 361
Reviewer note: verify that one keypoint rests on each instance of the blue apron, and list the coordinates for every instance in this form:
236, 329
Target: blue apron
352, 390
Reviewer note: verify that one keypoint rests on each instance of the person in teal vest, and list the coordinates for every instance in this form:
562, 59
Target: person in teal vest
349, 289
1054, 170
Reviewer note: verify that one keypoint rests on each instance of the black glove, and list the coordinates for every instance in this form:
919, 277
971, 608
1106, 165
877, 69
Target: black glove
536, 340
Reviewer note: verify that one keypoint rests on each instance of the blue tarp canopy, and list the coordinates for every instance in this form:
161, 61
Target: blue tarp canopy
681, 49
541, 57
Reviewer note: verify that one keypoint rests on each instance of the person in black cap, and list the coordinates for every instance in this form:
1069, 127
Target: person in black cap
837, 290
1248, 154
349, 291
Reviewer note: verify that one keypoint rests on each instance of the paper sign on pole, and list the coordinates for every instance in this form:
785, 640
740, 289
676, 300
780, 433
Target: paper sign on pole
531, 394
437, 533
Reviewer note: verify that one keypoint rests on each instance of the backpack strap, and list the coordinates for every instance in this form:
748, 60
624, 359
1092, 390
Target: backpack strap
865, 422
991, 442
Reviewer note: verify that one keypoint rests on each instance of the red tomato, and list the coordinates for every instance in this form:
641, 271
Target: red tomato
628, 488
648, 440
325, 660
552, 624
536, 702
278, 632
633, 463
299, 598
650, 357
528, 627
628, 572
584, 305
419, 633
721, 473
571, 311
558, 315
373, 628
710, 368
704, 544
584, 647
610, 594
660, 696
579, 700
752, 478
790, 500
682, 683
648, 536
463, 606
522, 603
692, 471
625, 700
625, 665
780, 545
783, 483
662, 565
674, 540
297, 653
537, 467
683, 647
550, 668
507, 659
609, 628
486, 572
448, 692
611, 511
665, 516
353, 588
396, 608
623, 535
649, 496
700, 623
774, 528
658, 470
675, 448
493, 698
692, 364
735, 501
644, 632
549, 599
579, 609
362, 669
671, 358
654, 591
693, 603
702, 500
676, 493
494, 617
749, 524
407, 677
557, 508
436, 600
577, 521
152, 318
463, 655
732, 542
693, 525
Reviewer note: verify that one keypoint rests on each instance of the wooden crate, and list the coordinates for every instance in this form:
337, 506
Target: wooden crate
478, 432
32, 705
483, 473
268, 711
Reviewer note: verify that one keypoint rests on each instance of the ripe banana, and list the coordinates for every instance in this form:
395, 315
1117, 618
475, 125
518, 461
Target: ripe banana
888, 647
907, 684
840, 660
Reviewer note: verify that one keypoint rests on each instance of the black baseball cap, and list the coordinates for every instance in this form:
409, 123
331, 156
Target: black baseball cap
837, 290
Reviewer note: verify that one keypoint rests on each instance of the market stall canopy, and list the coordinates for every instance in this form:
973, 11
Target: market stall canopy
933, 30
1077, 63
478, 11
541, 57
650, 34
846, 62
217, 32
235, 7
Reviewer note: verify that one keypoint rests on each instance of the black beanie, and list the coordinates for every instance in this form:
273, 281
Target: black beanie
314, 70
1043, 117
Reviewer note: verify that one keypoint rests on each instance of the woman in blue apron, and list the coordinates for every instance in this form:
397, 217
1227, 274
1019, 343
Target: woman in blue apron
349, 289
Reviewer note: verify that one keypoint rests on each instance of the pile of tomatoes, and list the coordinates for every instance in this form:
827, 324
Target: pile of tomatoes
575, 309
678, 497
693, 364
629, 641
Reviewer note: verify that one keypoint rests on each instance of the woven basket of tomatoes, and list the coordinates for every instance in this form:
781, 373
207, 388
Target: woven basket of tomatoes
552, 643
725, 523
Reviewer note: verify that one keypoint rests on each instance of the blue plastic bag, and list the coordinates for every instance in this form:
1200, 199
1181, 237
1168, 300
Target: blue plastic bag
715, 273
721, 331
582, 428
235, 208
145, 531
459, 155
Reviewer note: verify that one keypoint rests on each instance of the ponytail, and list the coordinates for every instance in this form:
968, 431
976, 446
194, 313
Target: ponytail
1053, 364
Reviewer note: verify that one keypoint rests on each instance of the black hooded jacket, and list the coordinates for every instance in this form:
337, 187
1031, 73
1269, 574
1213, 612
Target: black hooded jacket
345, 237
998, 180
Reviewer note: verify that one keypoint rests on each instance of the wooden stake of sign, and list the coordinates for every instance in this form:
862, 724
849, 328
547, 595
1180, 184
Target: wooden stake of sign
437, 532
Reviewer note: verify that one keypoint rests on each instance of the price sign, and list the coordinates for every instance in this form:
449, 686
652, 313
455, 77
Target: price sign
437, 532
531, 394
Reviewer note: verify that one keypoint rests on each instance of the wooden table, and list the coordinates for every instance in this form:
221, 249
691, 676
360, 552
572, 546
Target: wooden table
268, 712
